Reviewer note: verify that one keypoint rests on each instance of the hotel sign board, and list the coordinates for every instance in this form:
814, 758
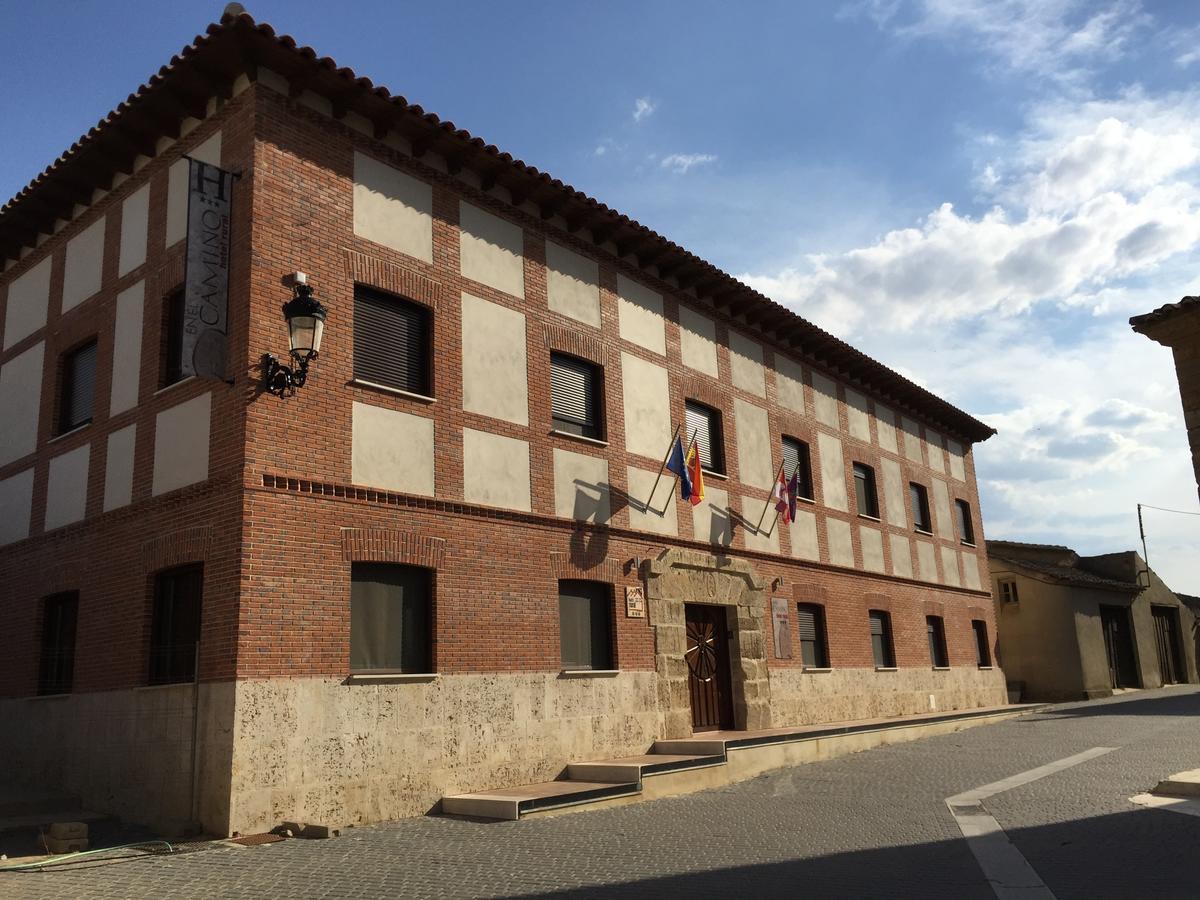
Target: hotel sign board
206, 277
635, 602
782, 622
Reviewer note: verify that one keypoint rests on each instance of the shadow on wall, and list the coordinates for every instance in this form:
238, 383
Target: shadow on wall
1131, 854
1172, 700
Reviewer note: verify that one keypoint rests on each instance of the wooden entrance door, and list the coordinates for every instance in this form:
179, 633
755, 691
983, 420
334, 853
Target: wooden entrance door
1118, 646
1166, 639
707, 657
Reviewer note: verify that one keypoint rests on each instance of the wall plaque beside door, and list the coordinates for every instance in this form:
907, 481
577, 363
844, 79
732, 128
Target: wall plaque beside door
782, 622
635, 602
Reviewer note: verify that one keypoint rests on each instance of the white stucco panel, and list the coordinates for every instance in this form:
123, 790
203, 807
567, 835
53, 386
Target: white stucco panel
746, 364
789, 383
950, 566
802, 536
84, 265
756, 459
135, 219
495, 368
495, 470
491, 250
970, 569
825, 404
127, 348
581, 488
912, 439
926, 562
885, 427
711, 521
833, 471
766, 539
647, 402
640, 315
943, 525
957, 468
391, 450
657, 514
857, 416
16, 506
937, 456
837, 539
901, 555
118, 468
698, 341
20, 402
573, 284
177, 192
895, 495
28, 299
66, 487
392, 208
871, 542
181, 444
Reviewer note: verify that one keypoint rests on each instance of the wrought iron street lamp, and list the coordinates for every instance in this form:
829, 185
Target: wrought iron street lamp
305, 317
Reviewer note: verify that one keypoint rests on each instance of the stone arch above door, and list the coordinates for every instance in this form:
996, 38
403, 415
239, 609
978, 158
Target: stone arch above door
678, 576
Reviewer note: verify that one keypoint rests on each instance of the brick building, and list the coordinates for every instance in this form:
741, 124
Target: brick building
412, 577
1177, 325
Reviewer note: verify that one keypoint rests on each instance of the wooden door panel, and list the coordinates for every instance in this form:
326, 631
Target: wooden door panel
707, 657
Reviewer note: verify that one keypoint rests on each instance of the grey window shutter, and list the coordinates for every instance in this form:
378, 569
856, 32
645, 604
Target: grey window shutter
807, 620
80, 393
391, 341
573, 393
876, 625
699, 420
791, 457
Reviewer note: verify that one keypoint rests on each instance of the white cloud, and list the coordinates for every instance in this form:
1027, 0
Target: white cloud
680, 163
643, 108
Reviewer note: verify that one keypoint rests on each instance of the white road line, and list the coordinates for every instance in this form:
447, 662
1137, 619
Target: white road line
1007, 871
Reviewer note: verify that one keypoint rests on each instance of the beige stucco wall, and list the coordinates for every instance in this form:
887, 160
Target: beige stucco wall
885, 428
135, 219
321, 750
181, 444
84, 261
957, 468
762, 537
746, 364
495, 470
857, 417
756, 460
937, 456
573, 284
177, 188
943, 525
1036, 639
16, 505
871, 542
118, 467
392, 208
838, 543
647, 402
698, 341
894, 493
66, 487
127, 349
657, 514
926, 561
20, 402
950, 566
495, 368
28, 301
711, 520
833, 472
789, 383
825, 403
491, 250
581, 488
901, 549
803, 535
970, 570
640, 315
391, 450
912, 439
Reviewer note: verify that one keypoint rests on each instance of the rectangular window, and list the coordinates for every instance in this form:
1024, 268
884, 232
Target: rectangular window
966, 531
175, 624
1008, 591
935, 626
390, 619
864, 489
585, 624
78, 388
796, 459
814, 649
881, 639
172, 340
575, 396
57, 664
391, 342
705, 423
983, 647
919, 498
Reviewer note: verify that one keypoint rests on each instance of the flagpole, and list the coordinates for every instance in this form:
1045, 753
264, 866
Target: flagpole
778, 472
776, 519
670, 447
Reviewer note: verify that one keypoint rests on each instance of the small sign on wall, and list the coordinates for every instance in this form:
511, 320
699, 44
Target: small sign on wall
781, 619
635, 602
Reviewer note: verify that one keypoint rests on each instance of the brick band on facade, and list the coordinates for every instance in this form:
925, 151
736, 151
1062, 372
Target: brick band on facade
392, 545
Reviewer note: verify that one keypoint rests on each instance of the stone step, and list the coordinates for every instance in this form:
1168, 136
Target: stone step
512, 803
1181, 784
632, 769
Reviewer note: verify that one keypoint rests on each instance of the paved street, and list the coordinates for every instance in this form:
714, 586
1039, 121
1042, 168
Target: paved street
874, 824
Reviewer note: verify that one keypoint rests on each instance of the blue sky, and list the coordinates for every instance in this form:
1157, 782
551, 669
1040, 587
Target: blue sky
977, 192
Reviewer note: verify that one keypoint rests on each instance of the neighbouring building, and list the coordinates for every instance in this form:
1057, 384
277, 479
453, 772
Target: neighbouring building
1073, 627
441, 564
1177, 325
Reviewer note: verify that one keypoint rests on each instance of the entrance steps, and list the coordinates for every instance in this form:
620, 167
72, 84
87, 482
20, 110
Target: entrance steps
710, 759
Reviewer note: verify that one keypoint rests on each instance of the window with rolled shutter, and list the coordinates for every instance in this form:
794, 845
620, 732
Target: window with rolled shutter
575, 396
391, 342
936, 628
78, 388
983, 651
814, 652
796, 459
705, 423
881, 639
585, 624
919, 501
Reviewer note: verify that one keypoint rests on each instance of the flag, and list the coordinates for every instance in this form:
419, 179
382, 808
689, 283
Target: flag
693, 464
782, 499
793, 493
677, 464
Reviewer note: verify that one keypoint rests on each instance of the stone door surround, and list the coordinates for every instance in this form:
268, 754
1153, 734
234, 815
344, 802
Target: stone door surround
678, 576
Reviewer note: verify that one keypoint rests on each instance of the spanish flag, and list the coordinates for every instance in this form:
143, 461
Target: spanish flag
697, 475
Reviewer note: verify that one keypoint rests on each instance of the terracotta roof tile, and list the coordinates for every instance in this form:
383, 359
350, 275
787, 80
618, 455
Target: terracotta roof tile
1164, 312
